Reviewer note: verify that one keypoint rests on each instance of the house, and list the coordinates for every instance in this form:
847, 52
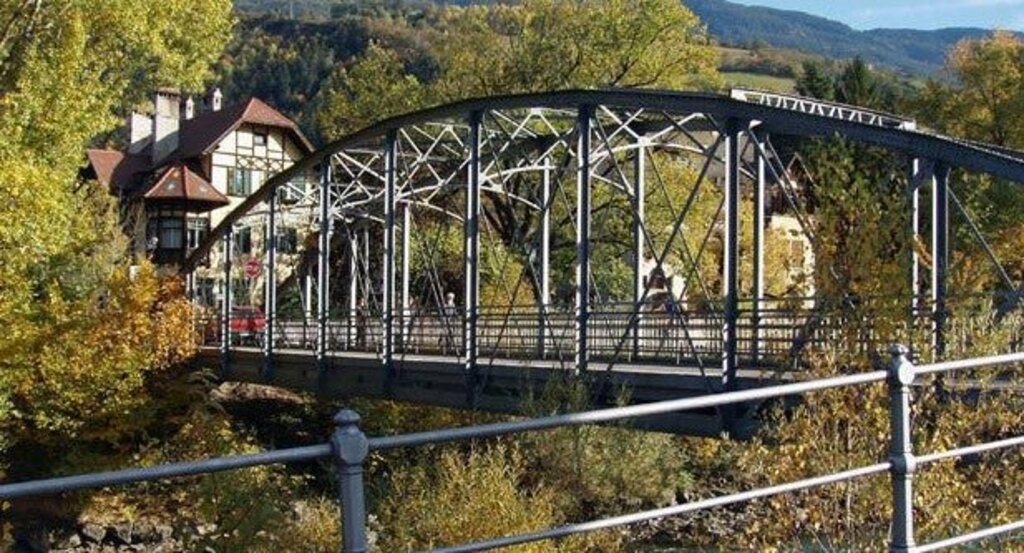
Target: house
184, 169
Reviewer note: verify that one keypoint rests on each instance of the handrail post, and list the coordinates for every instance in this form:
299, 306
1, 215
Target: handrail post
901, 457
350, 448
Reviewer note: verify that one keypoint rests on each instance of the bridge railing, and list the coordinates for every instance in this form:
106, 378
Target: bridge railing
349, 447
777, 335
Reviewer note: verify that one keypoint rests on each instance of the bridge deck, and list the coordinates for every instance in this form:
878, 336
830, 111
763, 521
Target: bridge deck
507, 386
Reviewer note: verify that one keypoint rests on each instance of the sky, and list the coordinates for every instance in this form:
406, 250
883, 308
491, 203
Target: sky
913, 14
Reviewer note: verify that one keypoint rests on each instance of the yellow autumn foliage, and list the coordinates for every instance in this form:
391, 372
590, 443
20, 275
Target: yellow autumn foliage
79, 335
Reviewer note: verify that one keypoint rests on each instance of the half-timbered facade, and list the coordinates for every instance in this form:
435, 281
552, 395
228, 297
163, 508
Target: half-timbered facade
184, 169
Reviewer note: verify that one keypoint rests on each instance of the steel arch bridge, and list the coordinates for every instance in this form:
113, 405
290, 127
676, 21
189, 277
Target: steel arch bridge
468, 254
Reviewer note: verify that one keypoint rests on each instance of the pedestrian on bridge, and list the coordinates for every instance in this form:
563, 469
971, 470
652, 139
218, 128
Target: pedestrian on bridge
448, 314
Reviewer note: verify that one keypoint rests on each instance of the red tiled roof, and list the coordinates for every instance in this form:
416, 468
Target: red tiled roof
122, 172
179, 183
118, 170
201, 134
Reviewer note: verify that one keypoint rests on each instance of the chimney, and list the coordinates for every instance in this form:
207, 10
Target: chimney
216, 100
166, 116
140, 132
190, 108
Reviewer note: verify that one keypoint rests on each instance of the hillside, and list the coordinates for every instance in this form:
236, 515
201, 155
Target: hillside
919, 53
911, 51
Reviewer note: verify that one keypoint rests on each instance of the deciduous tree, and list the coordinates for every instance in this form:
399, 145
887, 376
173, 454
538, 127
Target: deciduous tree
79, 334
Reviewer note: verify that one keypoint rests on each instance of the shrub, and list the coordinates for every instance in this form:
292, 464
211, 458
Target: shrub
464, 497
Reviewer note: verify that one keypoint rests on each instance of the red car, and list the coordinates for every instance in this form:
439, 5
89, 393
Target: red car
248, 326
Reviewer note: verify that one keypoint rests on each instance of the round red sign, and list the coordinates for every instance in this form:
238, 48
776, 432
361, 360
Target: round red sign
253, 268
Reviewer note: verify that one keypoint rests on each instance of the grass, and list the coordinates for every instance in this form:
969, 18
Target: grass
759, 82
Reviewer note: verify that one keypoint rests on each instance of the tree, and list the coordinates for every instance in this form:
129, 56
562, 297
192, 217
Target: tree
856, 85
541, 45
79, 334
375, 88
984, 102
533, 46
815, 82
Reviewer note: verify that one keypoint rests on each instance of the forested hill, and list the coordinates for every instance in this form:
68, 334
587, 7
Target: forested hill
912, 51
915, 52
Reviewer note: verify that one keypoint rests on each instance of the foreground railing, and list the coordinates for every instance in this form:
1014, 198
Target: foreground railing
349, 447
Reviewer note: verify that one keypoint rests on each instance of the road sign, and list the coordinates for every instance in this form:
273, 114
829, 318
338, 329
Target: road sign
253, 268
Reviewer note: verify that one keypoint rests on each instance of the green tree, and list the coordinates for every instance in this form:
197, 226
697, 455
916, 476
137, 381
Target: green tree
857, 85
375, 88
986, 100
983, 100
541, 45
79, 335
815, 82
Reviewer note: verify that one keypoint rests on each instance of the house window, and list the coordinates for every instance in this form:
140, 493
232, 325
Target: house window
287, 240
239, 181
166, 231
259, 139
243, 240
203, 293
198, 229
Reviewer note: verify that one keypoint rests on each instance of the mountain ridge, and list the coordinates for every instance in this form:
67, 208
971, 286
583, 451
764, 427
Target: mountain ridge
913, 51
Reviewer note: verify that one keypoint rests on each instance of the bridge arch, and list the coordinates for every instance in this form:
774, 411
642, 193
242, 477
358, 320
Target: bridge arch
516, 163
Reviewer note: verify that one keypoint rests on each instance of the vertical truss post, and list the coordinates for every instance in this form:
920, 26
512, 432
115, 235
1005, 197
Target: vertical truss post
353, 290
940, 256
307, 295
545, 259
730, 263
388, 274
406, 313
225, 310
367, 287
583, 191
323, 269
759, 224
471, 307
919, 170
639, 191
270, 287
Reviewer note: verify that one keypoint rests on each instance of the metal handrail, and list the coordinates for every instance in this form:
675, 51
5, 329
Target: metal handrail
350, 447
160, 472
622, 413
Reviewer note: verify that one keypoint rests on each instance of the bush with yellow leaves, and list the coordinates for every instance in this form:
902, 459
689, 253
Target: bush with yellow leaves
846, 428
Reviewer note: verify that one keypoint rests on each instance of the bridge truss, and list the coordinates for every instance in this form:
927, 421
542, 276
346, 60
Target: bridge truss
543, 228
